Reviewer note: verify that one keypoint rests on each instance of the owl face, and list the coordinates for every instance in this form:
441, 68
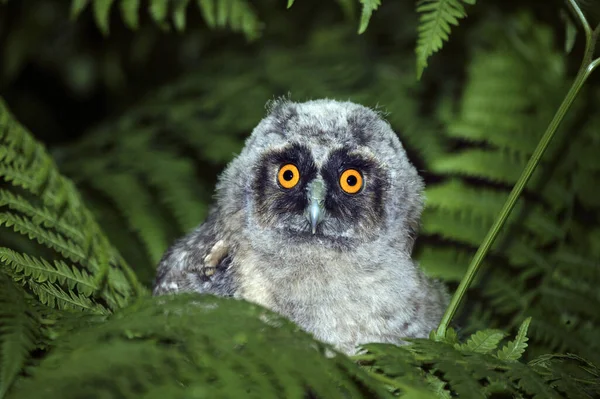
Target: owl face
327, 173
334, 198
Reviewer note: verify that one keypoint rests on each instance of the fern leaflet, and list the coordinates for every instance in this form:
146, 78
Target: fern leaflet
434, 26
514, 349
18, 332
483, 341
368, 6
238, 15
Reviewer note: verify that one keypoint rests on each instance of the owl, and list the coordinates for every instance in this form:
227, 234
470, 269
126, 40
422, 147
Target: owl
316, 219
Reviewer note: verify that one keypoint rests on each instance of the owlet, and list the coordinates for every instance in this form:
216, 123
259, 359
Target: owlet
316, 219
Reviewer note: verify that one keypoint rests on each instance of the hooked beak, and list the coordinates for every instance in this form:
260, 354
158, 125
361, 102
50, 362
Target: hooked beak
316, 204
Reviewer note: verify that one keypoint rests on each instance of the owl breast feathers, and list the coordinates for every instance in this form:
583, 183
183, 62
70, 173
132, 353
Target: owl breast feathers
316, 220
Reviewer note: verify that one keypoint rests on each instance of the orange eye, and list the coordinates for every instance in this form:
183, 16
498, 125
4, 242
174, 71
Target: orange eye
288, 176
351, 181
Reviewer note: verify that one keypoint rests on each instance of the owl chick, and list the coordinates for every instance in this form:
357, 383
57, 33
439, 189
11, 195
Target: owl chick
316, 220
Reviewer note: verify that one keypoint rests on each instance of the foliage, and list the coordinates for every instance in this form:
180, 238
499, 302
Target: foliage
437, 16
179, 345
544, 254
473, 370
236, 14
130, 185
79, 269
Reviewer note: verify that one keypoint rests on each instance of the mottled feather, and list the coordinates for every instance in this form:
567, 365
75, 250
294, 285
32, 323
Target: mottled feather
351, 282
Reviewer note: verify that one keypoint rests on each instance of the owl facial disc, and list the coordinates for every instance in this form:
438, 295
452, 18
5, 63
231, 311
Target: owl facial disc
316, 198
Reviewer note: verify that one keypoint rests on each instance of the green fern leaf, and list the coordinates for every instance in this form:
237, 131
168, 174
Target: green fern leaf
38, 203
207, 7
460, 379
368, 6
130, 13
179, 11
501, 167
482, 341
77, 6
102, 14
158, 11
48, 238
135, 204
438, 387
436, 18
515, 349
195, 346
56, 297
25, 267
571, 374
455, 196
238, 15
448, 264
19, 330
42, 216
531, 382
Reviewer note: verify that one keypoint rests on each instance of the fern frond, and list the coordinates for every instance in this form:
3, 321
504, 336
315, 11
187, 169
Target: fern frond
368, 6
574, 376
485, 204
25, 267
39, 203
500, 167
19, 329
483, 341
55, 297
530, 382
448, 264
135, 204
237, 15
41, 216
24, 225
187, 345
454, 370
514, 349
437, 16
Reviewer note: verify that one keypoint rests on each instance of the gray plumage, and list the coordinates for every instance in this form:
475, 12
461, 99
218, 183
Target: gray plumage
337, 264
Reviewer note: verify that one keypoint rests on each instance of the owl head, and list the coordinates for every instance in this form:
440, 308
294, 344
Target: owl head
326, 173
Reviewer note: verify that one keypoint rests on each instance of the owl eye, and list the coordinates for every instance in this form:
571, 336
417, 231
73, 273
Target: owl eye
351, 181
288, 176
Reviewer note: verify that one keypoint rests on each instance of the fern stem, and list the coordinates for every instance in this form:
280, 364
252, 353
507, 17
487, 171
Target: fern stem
587, 67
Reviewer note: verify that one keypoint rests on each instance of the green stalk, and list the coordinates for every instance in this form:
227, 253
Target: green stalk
586, 68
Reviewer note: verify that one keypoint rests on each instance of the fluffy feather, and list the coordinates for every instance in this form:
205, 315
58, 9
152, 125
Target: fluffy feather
353, 281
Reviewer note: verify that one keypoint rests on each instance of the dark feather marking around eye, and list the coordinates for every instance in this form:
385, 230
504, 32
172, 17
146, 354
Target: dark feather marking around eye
368, 203
271, 199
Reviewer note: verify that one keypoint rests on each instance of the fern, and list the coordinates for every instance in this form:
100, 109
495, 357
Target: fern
368, 6
37, 202
434, 28
469, 370
514, 349
493, 132
482, 341
191, 345
19, 328
238, 15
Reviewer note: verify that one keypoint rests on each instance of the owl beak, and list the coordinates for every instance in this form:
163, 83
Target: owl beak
316, 199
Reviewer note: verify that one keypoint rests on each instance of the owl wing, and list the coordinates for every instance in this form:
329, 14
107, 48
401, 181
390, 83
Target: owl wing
198, 262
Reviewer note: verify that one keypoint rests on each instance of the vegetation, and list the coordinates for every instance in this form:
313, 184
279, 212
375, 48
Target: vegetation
132, 108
